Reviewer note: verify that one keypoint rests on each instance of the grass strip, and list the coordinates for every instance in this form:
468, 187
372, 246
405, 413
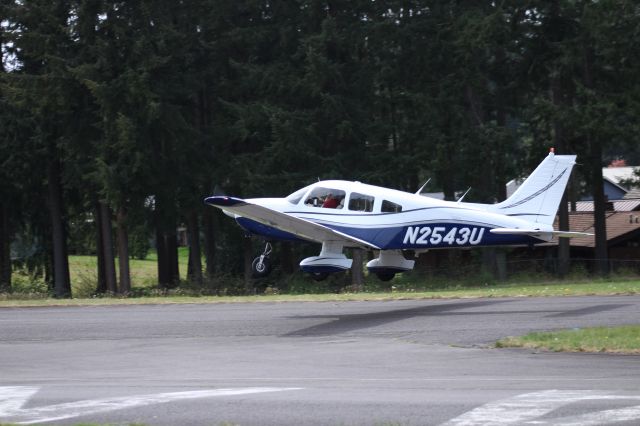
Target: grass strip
622, 340
601, 288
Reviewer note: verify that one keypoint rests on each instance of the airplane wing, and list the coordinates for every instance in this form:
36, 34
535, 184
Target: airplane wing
538, 232
300, 227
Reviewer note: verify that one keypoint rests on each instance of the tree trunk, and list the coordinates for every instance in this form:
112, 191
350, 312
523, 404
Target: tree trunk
287, 260
558, 92
564, 248
247, 247
172, 256
61, 280
209, 243
166, 246
194, 272
111, 284
101, 286
164, 277
5, 249
599, 209
599, 201
357, 275
123, 251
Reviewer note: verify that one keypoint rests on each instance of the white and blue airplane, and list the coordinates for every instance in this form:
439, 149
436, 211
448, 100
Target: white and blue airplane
341, 214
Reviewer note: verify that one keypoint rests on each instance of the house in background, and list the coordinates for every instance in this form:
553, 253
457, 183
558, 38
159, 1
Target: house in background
614, 179
622, 218
623, 230
622, 223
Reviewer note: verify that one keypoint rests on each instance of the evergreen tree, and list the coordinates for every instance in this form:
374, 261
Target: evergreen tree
44, 86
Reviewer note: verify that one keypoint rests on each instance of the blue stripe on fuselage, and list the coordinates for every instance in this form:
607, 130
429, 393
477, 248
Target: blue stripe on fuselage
416, 236
434, 235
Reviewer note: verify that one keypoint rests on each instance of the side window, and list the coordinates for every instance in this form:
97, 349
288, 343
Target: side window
325, 197
360, 202
389, 207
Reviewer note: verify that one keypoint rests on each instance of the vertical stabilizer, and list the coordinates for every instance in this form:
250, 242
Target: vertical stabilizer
539, 196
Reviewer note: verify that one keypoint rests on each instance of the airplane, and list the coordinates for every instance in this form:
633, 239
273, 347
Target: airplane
340, 214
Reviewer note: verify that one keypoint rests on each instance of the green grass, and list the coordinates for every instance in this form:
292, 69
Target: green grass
28, 291
84, 276
625, 340
511, 290
144, 273
83, 273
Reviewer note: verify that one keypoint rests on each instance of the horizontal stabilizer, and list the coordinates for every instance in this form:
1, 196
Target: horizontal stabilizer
537, 232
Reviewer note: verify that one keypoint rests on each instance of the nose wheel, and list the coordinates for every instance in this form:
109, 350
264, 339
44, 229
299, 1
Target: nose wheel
261, 265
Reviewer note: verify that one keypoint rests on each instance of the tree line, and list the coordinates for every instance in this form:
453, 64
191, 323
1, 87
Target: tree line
118, 117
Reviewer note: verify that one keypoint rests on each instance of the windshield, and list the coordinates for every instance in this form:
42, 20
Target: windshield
297, 196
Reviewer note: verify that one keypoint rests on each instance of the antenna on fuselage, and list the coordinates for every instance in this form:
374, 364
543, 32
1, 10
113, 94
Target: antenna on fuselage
419, 191
463, 195
217, 190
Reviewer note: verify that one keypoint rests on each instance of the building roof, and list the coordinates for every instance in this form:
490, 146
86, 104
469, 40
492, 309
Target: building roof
618, 205
619, 225
616, 175
634, 193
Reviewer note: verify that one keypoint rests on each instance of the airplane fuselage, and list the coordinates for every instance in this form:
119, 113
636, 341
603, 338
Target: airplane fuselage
340, 214
415, 222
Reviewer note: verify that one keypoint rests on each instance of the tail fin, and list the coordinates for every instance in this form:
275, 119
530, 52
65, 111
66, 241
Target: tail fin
538, 198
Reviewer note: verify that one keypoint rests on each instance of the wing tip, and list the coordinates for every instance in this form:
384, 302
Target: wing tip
223, 201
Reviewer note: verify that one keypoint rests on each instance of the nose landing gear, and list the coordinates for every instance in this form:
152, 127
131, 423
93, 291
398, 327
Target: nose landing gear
261, 266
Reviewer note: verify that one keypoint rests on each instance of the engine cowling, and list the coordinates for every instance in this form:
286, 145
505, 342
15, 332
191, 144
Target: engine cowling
323, 264
330, 260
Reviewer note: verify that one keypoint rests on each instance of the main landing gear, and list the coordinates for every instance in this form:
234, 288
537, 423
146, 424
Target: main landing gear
388, 264
385, 276
331, 259
261, 266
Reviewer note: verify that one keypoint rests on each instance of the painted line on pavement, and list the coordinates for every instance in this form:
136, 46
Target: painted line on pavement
13, 398
526, 409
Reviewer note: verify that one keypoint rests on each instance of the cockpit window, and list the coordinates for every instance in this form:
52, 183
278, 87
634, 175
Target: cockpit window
326, 197
361, 202
297, 196
390, 207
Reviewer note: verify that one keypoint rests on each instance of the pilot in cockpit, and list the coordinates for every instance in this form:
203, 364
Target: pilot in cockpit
331, 202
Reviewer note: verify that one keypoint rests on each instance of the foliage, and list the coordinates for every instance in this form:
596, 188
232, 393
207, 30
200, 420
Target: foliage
146, 107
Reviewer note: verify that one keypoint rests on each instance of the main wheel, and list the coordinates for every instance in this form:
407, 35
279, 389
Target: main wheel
261, 268
385, 276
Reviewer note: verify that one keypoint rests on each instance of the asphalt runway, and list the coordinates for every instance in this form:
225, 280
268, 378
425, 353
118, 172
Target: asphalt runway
426, 362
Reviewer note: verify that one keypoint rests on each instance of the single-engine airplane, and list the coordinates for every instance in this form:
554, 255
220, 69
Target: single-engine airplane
341, 214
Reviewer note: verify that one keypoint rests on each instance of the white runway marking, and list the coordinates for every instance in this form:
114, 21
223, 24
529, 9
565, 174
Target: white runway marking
527, 409
13, 398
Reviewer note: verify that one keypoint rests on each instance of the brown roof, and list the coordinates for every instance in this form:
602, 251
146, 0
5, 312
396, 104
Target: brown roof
619, 224
625, 205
